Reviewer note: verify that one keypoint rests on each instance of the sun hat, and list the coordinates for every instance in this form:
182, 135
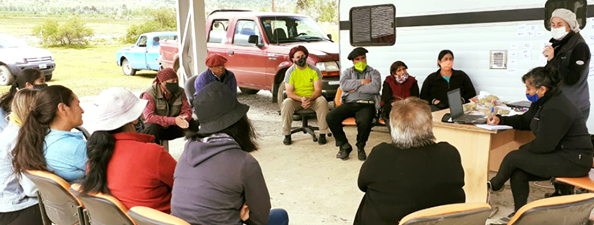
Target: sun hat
217, 108
115, 107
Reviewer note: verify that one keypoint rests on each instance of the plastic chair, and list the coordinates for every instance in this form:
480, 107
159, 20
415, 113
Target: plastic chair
147, 216
568, 209
56, 203
458, 214
586, 182
337, 102
103, 209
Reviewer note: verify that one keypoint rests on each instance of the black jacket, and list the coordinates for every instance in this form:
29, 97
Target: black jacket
435, 87
572, 59
558, 128
398, 182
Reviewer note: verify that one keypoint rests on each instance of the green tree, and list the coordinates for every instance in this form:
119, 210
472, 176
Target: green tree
163, 19
73, 32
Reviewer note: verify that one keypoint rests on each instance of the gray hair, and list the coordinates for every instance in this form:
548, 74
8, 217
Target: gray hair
411, 123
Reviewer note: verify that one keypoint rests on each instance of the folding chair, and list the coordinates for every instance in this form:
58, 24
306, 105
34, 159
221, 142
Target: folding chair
351, 120
451, 214
568, 209
57, 205
147, 216
103, 209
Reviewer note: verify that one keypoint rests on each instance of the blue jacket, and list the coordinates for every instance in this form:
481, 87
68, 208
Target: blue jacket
207, 76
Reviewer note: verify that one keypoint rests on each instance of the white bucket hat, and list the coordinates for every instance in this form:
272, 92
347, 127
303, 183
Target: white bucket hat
115, 107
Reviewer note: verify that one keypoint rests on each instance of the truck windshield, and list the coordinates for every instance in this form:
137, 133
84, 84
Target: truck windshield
284, 29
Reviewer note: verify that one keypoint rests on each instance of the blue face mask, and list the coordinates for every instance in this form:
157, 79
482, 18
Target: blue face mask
533, 98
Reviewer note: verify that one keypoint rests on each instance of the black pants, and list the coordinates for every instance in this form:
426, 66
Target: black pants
26, 216
363, 113
522, 166
169, 133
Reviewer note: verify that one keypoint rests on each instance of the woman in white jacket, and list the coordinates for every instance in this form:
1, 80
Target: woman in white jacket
18, 195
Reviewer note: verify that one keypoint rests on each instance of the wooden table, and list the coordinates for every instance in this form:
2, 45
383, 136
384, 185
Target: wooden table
481, 150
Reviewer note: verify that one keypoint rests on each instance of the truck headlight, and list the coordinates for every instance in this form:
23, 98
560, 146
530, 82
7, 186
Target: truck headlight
19, 60
329, 69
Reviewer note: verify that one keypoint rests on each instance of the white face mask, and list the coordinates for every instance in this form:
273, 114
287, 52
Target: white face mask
558, 33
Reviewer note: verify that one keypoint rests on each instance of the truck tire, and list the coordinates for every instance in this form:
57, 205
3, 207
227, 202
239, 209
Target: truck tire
48, 77
249, 91
6, 76
127, 68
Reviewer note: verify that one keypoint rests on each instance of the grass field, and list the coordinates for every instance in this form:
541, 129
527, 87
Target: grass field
88, 71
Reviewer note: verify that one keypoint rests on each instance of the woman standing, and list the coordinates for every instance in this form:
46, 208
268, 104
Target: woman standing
45, 140
561, 147
570, 55
436, 85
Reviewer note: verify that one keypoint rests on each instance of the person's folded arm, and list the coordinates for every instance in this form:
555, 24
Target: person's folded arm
348, 81
150, 116
375, 85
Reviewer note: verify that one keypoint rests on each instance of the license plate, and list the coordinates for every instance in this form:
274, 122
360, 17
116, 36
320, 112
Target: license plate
333, 82
42, 66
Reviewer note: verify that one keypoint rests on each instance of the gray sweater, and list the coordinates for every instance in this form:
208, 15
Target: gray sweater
212, 181
351, 80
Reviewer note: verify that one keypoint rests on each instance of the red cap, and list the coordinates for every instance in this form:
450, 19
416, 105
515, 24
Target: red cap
166, 74
215, 60
298, 48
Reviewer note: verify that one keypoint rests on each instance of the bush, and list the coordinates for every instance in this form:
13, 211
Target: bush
163, 19
73, 32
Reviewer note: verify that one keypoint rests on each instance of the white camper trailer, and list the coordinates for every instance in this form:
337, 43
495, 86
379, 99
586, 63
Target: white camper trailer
494, 42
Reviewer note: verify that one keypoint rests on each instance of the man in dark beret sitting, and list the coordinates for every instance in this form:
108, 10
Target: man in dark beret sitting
360, 85
216, 72
303, 83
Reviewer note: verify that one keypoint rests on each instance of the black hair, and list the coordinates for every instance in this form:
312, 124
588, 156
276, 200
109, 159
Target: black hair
397, 65
442, 54
241, 131
543, 76
28, 151
26, 76
100, 148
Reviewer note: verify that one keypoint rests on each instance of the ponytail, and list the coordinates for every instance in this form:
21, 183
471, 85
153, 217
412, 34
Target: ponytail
6, 99
100, 148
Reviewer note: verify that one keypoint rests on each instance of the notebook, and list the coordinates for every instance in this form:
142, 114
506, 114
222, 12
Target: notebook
457, 112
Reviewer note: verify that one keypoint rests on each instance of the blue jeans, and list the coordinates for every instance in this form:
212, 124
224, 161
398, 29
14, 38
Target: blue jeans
278, 217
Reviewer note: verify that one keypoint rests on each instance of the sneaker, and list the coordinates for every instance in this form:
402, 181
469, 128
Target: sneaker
344, 151
506, 219
322, 139
287, 140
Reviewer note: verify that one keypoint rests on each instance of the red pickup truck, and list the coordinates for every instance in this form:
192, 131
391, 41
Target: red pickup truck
257, 45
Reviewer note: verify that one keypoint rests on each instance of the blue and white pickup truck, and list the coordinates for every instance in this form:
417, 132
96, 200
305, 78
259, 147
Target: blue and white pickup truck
144, 55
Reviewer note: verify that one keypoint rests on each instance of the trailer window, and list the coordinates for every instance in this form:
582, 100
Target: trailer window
218, 31
579, 7
373, 25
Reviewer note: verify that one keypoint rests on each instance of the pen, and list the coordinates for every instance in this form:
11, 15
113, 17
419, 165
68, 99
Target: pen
492, 111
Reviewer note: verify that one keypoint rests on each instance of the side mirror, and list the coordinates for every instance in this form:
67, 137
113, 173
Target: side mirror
329, 36
253, 39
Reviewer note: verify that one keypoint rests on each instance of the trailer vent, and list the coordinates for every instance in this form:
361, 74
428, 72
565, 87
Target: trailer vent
498, 59
373, 25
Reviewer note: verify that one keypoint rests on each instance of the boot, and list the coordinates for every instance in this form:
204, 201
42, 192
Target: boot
322, 139
287, 140
344, 151
361, 152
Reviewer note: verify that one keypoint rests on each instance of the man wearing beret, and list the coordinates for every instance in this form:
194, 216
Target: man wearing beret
168, 113
360, 85
216, 72
303, 83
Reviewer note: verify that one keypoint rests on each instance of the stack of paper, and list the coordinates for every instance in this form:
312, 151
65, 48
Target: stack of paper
494, 127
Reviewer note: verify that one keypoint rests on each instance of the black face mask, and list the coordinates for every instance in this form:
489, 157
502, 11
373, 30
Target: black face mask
172, 87
301, 62
39, 86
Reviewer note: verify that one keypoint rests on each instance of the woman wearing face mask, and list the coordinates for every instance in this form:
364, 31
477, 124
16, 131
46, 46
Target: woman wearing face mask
436, 85
30, 79
399, 85
570, 55
561, 147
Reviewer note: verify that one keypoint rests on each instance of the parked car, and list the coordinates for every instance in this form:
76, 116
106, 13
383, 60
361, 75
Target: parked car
144, 55
257, 45
16, 55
